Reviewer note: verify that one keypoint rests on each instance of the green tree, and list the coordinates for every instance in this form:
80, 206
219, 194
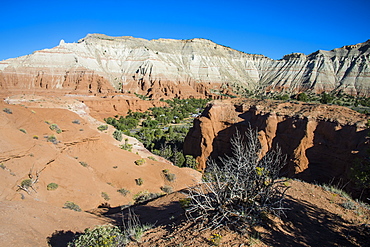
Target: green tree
326, 98
302, 97
117, 134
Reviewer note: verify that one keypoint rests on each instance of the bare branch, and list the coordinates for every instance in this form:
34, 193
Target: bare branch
242, 188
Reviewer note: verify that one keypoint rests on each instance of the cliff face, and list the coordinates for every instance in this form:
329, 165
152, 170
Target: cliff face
321, 141
181, 68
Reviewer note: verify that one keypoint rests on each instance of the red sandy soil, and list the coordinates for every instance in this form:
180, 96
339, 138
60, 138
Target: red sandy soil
108, 169
315, 217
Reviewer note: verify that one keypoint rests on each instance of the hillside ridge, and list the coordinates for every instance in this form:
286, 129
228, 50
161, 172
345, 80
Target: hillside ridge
167, 68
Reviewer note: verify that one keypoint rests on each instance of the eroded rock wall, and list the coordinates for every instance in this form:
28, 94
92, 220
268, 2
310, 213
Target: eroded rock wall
167, 68
321, 141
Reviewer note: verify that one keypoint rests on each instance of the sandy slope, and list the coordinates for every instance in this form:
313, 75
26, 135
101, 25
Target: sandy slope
108, 169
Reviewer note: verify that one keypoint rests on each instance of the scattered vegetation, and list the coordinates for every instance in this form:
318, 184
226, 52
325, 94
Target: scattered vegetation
152, 158
167, 189
52, 139
357, 103
105, 196
336, 190
102, 127
52, 186
140, 162
72, 206
126, 146
139, 181
144, 196
76, 121
7, 110
242, 190
123, 191
35, 137
215, 239
55, 128
162, 129
26, 183
169, 176
106, 235
2, 166
23, 130
117, 134
185, 202
84, 164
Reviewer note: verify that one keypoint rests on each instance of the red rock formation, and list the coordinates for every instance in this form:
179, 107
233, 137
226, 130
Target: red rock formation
110, 106
181, 68
320, 141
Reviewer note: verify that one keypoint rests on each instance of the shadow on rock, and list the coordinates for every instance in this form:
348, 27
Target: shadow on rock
61, 238
308, 225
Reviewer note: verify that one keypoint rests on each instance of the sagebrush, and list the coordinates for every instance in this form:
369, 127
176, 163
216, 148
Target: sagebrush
241, 189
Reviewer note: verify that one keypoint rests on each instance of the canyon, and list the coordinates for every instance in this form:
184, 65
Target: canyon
76, 85
165, 68
321, 141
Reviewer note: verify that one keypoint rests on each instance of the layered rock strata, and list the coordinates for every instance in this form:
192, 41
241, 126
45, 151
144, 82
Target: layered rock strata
320, 141
167, 68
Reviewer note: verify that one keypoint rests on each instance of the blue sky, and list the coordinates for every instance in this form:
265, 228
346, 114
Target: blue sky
271, 28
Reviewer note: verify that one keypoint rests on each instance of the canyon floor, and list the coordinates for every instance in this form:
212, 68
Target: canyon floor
36, 217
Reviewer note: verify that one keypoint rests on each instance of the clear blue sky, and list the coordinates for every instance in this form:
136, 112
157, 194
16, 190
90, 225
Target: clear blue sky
271, 28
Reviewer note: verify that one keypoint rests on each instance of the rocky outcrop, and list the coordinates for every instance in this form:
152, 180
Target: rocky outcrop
321, 141
167, 68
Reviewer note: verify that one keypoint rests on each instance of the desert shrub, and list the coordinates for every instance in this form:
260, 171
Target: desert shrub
144, 196
126, 146
336, 190
152, 158
2, 166
242, 189
185, 202
23, 130
102, 127
132, 227
53, 127
167, 189
76, 121
215, 239
84, 164
169, 176
100, 236
35, 137
52, 139
7, 110
117, 134
72, 206
52, 186
56, 128
139, 181
26, 183
105, 196
349, 205
123, 191
140, 162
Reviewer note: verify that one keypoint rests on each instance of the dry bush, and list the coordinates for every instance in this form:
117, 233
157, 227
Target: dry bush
242, 189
